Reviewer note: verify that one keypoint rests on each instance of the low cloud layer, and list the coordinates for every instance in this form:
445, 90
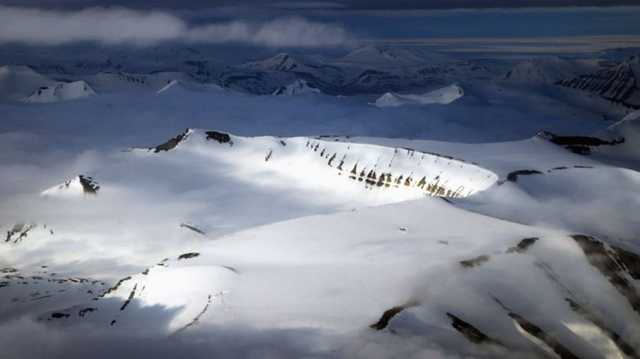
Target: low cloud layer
125, 26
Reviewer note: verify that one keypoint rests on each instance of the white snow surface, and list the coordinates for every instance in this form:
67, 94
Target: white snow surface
287, 226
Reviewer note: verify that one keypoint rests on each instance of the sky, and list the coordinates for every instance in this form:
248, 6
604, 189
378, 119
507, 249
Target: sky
305, 24
335, 5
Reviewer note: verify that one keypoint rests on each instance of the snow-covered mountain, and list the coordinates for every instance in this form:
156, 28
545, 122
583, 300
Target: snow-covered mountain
443, 96
75, 187
462, 267
491, 218
17, 82
618, 84
62, 91
391, 56
546, 70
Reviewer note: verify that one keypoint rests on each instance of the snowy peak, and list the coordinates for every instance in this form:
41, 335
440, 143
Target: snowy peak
443, 96
337, 165
63, 91
76, 187
298, 87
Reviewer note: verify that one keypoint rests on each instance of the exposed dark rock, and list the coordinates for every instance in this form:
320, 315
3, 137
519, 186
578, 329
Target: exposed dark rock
193, 228
470, 332
58, 315
219, 136
89, 186
579, 144
19, 232
84, 311
513, 176
615, 337
607, 262
131, 295
523, 245
188, 255
388, 314
618, 84
475, 262
628, 260
115, 287
172, 143
537, 332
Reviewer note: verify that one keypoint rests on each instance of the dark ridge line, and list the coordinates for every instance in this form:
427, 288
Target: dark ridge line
607, 263
470, 332
581, 145
523, 245
188, 255
171, 143
513, 176
195, 320
193, 228
114, 288
388, 314
537, 332
131, 295
615, 337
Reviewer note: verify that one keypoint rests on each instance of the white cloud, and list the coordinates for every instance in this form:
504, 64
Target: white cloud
125, 26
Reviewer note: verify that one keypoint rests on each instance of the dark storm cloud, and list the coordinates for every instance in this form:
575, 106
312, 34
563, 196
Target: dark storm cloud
330, 4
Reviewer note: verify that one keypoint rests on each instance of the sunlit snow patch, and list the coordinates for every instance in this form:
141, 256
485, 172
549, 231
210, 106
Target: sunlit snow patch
334, 164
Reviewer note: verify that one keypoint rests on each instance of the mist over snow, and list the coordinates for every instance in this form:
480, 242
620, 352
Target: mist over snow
269, 183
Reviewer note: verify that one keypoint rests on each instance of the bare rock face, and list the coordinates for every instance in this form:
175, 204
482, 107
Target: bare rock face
172, 143
77, 186
618, 84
